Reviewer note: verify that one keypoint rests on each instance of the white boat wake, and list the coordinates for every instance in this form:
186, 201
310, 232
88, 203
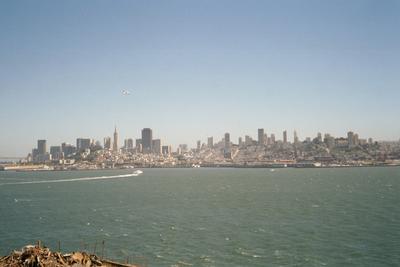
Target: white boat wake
136, 173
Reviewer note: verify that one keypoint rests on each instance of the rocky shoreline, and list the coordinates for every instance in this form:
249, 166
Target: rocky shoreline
38, 256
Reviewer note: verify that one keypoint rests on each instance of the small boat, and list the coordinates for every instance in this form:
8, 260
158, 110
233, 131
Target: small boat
137, 172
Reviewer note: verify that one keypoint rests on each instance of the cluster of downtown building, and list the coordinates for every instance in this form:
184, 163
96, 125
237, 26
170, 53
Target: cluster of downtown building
266, 150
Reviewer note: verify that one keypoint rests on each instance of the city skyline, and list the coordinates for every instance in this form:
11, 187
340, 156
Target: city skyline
146, 141
197, 69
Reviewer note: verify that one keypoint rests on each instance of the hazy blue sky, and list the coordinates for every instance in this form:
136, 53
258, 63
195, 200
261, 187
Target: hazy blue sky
197, 69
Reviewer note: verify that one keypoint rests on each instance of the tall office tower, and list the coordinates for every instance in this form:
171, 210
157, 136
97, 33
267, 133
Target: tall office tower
128, 144
138, 145
261, 137
198, 145
273, 138
227, 140
370, 141
147, 139
295, 137
107, 143
82, 144
35, 154
166, 150
41, 146
183, 148
156, 146
55, 152
210, 142
227, 146
67, 149
115, 143
350, 139
285, 137
240, 141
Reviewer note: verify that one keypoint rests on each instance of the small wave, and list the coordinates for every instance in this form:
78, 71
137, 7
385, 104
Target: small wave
16, 200
73, 179
185, 263
247, 253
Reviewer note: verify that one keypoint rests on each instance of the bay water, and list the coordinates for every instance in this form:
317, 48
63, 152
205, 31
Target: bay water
209, 217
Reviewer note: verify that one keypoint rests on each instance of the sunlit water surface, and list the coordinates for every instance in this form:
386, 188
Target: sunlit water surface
210, 217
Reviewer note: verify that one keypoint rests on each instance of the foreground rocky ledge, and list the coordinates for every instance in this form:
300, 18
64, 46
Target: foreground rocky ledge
37, 256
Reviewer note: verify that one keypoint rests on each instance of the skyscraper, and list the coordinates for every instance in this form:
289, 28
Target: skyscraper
273, 138
115, 143
350, 139
138, 145
319, 137
128, 144
55, 152
227, 140
156, 146
166, 150
82, 144
227, 146
210, 142
198, 145
285, 137
248, 141
261, 140
147, 139
67, 149
107, 143
295, 137
42, 147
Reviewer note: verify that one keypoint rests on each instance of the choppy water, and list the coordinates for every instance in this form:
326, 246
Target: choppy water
210, 217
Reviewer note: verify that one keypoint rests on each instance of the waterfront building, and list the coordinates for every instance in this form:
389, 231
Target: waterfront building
83, 144
115, 143
42, 147
210, 142
147, 139
156, 146
285, 137
107, 143
261, 137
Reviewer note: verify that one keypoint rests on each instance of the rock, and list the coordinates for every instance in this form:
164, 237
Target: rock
36, 256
